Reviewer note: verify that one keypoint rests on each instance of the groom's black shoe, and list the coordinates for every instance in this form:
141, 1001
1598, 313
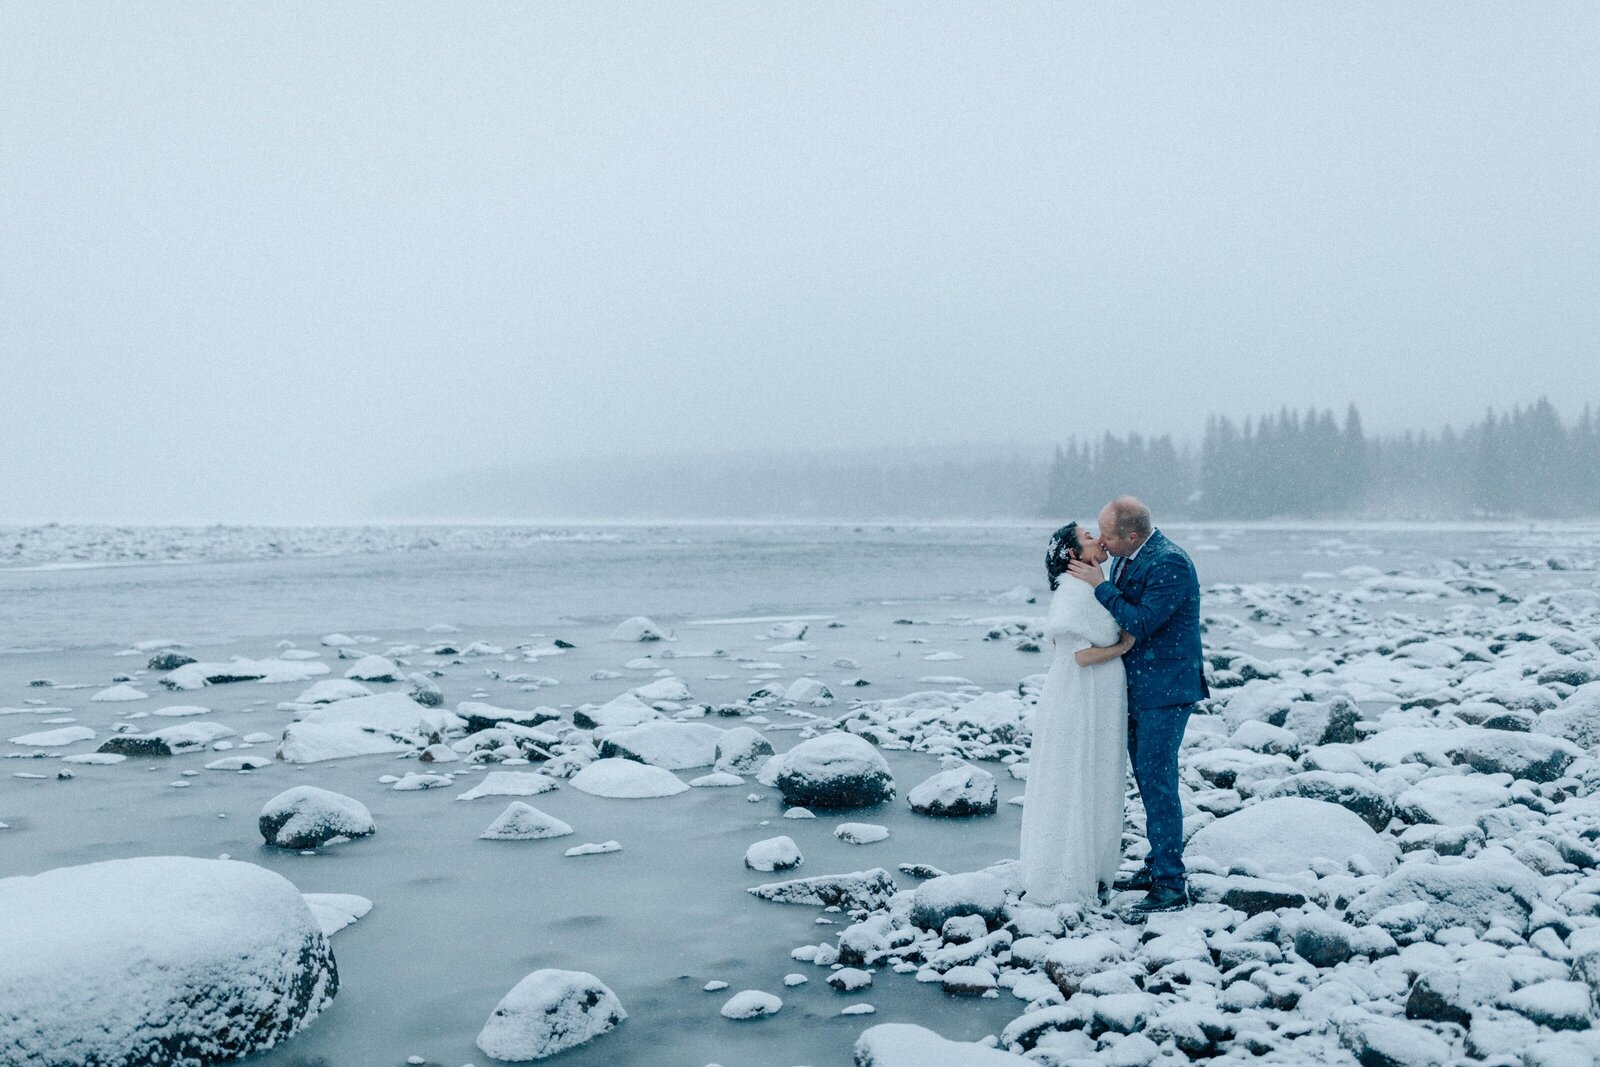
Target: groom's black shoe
1163, 898
1139, 880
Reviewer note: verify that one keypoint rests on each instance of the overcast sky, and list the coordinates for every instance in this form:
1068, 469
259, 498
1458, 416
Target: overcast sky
261, 261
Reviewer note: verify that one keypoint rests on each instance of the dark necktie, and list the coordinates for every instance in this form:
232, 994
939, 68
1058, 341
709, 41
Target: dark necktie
1122, 569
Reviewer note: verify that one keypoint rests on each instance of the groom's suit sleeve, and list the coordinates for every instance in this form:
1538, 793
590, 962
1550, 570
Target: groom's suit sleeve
1164, 592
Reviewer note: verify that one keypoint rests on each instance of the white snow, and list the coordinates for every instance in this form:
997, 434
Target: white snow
626, 779
335, 911
751, 1004
66, 735
119, 693
1284, 835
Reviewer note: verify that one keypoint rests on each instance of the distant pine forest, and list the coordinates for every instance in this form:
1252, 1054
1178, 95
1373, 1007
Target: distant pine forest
1522, 463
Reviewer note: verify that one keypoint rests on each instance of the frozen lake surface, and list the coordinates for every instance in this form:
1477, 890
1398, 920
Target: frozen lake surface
457, 921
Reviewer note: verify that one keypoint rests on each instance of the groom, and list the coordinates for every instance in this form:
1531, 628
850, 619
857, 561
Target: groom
1154, 594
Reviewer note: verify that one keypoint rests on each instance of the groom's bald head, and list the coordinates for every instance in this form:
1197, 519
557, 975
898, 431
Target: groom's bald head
1124, 525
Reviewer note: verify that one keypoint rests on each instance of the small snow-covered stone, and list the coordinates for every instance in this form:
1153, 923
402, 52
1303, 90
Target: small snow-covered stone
119, 693
335, 911
860, 833
751, 1004
637, 629
1558, 1005
972, 893
859, 889
741, 750
619, 713
66, 735
773, 854
374, 669
626, 779
593, 849
306, 816
548, 1012
309, 742
413, 782
956, 793
524, 822
1423, 898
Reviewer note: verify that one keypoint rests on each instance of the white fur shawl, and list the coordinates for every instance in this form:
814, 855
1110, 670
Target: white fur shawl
1075, 613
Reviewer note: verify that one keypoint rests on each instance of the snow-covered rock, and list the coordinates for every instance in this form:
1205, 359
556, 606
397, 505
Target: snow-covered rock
374, 669
1284, 834
670, 688
937, 900
155, 960
307, 742
773, 854
958, 792
305, 816
1419, 899
335, 911
627, 779
860, 833
741, 750
808, 691
636, 629
393, 712
548, 1012
266, 671
751, 1004
836, 770
674, 746
524, 822
119, 694
909, 1045
624, 711
859, 889
330, 689
511, 784
58, 738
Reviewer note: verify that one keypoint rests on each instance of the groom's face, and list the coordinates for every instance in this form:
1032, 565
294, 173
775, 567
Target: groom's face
1113, 542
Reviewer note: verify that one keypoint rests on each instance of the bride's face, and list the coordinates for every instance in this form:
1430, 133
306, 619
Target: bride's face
1089, 548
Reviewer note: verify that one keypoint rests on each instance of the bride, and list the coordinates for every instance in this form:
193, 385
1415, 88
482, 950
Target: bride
1072, 817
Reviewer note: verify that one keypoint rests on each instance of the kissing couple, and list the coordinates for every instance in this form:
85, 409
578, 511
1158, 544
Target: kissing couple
1128, 671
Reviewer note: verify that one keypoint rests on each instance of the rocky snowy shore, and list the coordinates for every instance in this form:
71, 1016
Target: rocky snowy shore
1390, 803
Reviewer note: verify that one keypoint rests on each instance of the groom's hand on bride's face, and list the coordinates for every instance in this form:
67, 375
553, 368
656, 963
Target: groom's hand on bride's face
1085, 572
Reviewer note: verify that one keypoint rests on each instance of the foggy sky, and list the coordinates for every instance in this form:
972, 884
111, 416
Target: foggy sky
263, 262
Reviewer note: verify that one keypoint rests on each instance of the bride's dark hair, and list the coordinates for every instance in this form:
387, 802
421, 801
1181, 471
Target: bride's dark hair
1063, 548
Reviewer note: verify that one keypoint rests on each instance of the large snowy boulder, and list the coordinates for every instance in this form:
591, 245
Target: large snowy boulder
834, 771
524, 822
958, 792
305, 817
997, 714
675, 746
481, 716
548, 1012
1453, 799
1283, 835
773, 854
909, 1045
626, 780
1420, 899
155, 961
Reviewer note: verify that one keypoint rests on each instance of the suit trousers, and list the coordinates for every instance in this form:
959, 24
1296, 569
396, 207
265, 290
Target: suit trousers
1154, 735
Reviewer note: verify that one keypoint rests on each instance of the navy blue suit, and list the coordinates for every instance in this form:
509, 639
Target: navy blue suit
1157, 599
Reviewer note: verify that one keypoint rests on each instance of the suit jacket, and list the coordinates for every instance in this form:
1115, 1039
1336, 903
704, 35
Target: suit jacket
1159, 604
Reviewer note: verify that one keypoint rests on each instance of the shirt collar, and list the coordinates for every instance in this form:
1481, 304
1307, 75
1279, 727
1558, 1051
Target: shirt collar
1140, 549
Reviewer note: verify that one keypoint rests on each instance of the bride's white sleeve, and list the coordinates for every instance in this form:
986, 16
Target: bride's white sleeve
1075, 613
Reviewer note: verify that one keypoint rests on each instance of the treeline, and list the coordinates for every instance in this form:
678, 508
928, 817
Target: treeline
1525, 462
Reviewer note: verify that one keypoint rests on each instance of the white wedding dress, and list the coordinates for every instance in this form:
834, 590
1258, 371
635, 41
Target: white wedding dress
1072, 817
